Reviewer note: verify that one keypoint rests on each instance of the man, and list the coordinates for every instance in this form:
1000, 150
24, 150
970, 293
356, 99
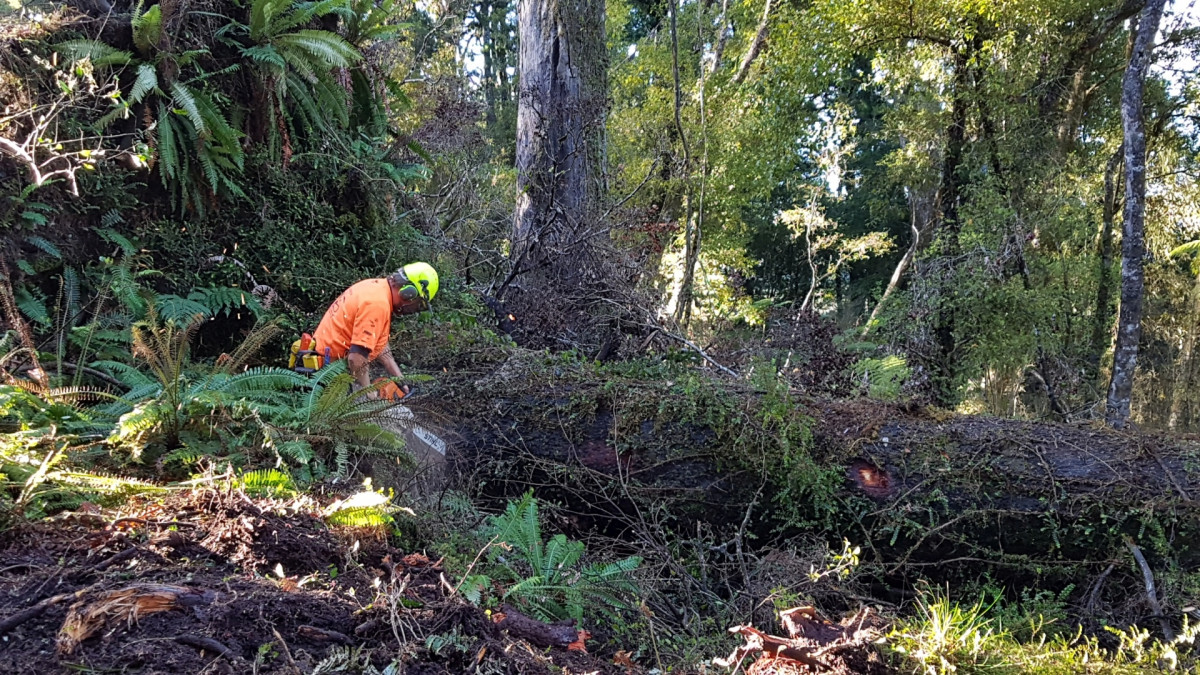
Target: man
357, 325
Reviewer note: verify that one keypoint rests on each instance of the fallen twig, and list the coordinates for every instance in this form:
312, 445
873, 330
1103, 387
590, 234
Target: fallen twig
35, 611
207, 644
287, 653
322, 635
694, 347
1151, 591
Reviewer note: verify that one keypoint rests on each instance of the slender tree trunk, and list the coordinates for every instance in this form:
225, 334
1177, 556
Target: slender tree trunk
919, 206
722, 36
1133, 244
484, 11
756, 45
691, 240
1102, 315
560, 119
1180, 386
948, 197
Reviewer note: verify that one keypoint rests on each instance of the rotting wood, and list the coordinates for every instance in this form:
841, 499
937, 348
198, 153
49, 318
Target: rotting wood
323, 635
560, 634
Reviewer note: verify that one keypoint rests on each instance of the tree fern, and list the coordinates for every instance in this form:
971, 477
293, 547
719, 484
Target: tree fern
294, 67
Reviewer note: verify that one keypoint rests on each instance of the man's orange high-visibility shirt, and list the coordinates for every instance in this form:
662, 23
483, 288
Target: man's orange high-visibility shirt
362, 315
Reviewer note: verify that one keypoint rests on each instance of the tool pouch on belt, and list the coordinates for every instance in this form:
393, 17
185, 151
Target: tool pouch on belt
304, 357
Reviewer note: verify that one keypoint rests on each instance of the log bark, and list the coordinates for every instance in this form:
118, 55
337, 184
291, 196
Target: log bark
535, 632
916, 490
1133, 244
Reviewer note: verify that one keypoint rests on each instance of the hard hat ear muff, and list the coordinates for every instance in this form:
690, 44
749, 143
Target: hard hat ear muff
409, 293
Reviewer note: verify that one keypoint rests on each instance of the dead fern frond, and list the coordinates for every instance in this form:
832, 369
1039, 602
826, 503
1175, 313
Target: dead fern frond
253, 343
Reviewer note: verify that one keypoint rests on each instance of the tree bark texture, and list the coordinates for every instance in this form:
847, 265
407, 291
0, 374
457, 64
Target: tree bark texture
1133, 244
1102, 319
948, 200
560, 123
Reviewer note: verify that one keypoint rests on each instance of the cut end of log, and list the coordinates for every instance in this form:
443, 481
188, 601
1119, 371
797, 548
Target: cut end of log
874, 481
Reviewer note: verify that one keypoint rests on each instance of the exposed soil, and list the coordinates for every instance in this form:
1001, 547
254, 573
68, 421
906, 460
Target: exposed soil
204, 566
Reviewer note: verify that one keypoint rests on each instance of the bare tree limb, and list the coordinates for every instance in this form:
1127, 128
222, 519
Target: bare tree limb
756, 45
1151, 591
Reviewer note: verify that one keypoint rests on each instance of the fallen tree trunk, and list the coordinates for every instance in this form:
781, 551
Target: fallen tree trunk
918, 490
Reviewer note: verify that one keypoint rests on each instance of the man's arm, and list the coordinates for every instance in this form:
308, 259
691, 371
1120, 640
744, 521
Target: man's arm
357, 363
389, 364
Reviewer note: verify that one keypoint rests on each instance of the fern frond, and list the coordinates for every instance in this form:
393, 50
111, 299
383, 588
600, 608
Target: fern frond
97, 52
362, 516
174, 308
147, 28
260, 379
45, 246
33, 305
169, 155
267, 482
124, 372
185, 98
304, 12
330, 48
146, 82
250, 345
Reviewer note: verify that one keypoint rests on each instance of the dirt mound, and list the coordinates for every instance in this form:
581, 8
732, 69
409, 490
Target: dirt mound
192, 584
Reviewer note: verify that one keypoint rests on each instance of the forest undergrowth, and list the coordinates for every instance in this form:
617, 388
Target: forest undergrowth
781, 348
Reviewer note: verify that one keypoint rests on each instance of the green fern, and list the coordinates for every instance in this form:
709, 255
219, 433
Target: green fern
147, 27
98, 53
267, 483
294, 67
362, 516
548, 583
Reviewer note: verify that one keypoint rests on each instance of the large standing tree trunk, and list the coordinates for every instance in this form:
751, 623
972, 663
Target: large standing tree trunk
560, 127
1133, 246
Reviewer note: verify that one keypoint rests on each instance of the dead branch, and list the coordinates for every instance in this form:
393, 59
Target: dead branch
694, 347
1151, 591
322, 635
34, 611
536, 632
208, 645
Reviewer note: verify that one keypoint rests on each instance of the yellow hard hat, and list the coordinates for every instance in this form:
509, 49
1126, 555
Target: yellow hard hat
423, 277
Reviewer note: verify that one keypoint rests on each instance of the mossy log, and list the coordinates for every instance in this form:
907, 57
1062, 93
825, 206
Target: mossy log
916, 489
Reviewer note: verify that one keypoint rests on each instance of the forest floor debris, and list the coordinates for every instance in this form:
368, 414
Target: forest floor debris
214, 581
813, 645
